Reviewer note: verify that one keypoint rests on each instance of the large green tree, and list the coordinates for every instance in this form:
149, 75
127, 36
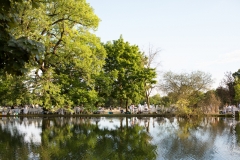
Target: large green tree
132, 76
103, 86
72, 54
16, 51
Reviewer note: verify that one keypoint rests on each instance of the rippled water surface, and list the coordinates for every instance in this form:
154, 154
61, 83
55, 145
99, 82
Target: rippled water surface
106, 138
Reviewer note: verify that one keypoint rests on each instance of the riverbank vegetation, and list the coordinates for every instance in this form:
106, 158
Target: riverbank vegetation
49, 55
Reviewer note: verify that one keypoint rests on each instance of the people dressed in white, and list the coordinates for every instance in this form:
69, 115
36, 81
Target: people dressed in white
229, 108
133, 108
145, 106
139, 108
224, 110
130, 108
25, 109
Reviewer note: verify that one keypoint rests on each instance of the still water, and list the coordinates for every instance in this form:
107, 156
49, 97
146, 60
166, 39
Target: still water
106, 138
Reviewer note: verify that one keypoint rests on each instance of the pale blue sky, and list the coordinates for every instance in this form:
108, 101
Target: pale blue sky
192, 34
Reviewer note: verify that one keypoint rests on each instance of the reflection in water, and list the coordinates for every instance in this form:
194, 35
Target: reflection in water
119, 138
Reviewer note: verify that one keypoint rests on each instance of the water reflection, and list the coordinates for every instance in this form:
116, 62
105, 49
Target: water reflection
119, 138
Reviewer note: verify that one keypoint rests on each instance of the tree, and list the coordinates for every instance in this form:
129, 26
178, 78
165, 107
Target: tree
103, 86
156, 99
210, 102
166, 101
236, 76
16, 52
132, 75
226, 89
73, 55
150, 73
223, 94
185, 89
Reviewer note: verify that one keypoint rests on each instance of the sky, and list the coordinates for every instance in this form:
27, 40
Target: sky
191, 34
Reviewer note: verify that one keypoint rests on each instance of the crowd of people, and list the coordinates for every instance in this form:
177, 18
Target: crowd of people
230, 109
16, 110
138, 109
79, 109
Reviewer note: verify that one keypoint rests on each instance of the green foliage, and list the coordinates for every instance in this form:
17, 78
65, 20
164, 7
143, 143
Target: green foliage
166, 101
128, 62
103, 86
210, 102
184, 85
226, 89
237, 92
13, 91
236, 75
16, 52
186, 89
50, 56
52, 41
223, 94
156, 99
149, 73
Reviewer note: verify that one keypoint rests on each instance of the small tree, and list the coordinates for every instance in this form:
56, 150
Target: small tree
156, 99
236, 75
226, 90
150, 69
210, 103
185, 89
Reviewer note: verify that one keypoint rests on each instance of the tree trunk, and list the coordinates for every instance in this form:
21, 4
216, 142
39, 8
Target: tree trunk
126, 105
147, 99
121, 103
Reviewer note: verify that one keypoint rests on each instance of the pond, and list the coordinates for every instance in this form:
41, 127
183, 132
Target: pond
108, 138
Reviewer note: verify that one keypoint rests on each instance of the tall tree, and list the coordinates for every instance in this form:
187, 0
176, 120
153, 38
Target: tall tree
148, 76
226, 89
151, 66
73, 54
103, 86
16, 51
236, 76
129, 63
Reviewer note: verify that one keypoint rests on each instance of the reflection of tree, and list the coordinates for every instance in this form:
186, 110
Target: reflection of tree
87, 141
80, 138
12, 144
186, 125
192, 139
129, 143
238, 134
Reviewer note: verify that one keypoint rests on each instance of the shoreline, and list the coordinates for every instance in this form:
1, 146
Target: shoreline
116, 115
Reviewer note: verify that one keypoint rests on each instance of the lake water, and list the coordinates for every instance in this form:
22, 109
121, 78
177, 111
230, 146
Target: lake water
106, 138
